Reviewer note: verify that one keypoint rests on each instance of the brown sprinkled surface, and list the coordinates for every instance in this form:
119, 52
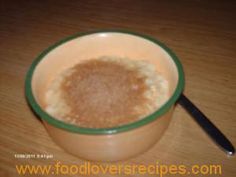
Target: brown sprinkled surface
104, 94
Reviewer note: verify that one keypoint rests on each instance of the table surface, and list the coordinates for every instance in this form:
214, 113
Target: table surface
202, 34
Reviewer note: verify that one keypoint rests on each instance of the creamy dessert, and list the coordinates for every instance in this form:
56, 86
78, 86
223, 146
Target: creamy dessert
106, 92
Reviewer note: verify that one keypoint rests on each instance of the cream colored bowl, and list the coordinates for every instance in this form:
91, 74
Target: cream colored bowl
115, 143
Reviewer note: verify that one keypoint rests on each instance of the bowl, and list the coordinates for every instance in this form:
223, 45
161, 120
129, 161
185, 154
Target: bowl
105, 144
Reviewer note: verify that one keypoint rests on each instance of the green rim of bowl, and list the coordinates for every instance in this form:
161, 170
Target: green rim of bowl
76, 129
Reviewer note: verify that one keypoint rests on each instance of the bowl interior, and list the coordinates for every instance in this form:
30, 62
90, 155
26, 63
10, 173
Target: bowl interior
97, 45
75, 49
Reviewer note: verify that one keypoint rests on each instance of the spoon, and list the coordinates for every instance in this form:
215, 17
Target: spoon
215, 134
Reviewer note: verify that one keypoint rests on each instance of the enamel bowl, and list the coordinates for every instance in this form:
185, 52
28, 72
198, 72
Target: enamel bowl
106, 144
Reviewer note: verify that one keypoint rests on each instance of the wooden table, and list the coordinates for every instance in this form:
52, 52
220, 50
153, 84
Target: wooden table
202, 33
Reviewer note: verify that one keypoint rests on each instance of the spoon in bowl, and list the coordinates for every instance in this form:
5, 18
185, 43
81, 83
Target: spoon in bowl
215, 134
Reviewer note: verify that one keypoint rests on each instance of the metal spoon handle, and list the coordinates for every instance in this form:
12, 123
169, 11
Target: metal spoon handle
216, 135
